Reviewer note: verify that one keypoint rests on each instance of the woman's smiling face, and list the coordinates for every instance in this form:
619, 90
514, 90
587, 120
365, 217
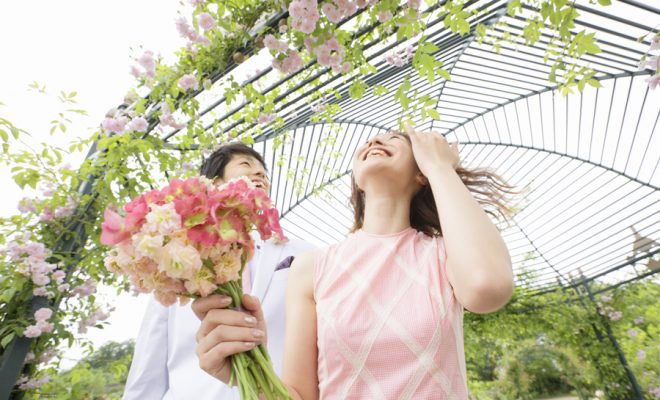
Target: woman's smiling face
387, 156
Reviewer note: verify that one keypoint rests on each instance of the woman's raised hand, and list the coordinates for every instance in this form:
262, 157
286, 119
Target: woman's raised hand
432, 151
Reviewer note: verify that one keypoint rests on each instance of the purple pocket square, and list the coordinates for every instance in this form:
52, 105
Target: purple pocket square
284, 264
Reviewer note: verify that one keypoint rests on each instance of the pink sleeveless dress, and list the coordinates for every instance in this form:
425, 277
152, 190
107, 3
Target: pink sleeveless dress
388, 324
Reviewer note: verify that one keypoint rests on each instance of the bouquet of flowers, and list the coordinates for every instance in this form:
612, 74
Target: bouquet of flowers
192, 239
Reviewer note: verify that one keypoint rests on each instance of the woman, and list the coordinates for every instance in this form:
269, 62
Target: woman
379, 315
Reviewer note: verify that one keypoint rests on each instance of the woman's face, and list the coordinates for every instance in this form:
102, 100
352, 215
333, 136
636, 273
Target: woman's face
387, 156
244, 165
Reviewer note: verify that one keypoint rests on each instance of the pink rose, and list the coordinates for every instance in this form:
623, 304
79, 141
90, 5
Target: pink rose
32, 331
43, 314
45, 327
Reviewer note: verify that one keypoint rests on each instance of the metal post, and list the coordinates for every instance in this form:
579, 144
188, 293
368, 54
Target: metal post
622, 358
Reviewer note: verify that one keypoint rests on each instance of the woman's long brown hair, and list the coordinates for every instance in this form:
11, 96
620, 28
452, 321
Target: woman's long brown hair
488, 188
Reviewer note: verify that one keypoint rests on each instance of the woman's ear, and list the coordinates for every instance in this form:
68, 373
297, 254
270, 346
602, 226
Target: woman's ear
421, 179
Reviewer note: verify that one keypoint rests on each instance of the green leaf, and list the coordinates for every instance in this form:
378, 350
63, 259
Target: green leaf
433, 113
594, 83
357, 89
380, 90
605, 2
7, 339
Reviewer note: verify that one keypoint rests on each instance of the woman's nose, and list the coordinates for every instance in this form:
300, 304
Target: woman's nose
374, 141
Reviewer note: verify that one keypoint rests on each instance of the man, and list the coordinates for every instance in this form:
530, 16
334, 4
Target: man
165, 365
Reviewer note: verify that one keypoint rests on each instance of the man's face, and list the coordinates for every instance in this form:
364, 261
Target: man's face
244, 165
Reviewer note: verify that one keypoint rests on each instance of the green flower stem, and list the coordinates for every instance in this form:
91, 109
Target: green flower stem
252, 370
261, 381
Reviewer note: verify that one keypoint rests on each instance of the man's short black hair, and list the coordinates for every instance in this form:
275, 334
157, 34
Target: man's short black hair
214, 166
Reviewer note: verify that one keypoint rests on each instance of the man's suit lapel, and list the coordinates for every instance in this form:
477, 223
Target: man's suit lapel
271, 255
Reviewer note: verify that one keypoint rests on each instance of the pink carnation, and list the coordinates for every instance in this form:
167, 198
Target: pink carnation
113, 229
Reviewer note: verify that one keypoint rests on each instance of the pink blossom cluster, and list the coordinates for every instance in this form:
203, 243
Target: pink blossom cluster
27, 205
291, 63
384, 16
266, 118
121, 124
66, 210
287, 60
148, 64
188, 82
319, 105
655, 392
206, 21
88, 288
93, 319
304, 15
41, 317
399, 58
652, 63
330, 54
44, 357
30, 258
187, 32
167, 119
29, 384
189, 237
336, 10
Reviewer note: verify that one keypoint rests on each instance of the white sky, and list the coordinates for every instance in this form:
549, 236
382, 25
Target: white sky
83, 46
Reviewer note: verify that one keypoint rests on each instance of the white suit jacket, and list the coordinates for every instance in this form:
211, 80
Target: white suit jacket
165, 365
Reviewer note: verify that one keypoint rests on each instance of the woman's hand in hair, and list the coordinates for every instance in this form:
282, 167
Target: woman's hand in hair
432, 152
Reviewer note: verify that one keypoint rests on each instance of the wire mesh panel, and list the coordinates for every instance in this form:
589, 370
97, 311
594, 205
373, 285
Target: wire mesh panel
585, 163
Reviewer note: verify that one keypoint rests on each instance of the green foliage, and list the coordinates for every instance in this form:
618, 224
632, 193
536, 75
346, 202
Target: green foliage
544, 345
100, 376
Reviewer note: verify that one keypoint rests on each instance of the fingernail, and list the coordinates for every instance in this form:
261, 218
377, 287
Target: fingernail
249, 345
225, 300
257, 333
250, 320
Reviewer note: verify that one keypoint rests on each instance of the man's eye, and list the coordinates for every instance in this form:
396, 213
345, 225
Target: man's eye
245, 163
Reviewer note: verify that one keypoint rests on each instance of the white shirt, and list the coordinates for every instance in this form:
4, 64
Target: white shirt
165, 366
